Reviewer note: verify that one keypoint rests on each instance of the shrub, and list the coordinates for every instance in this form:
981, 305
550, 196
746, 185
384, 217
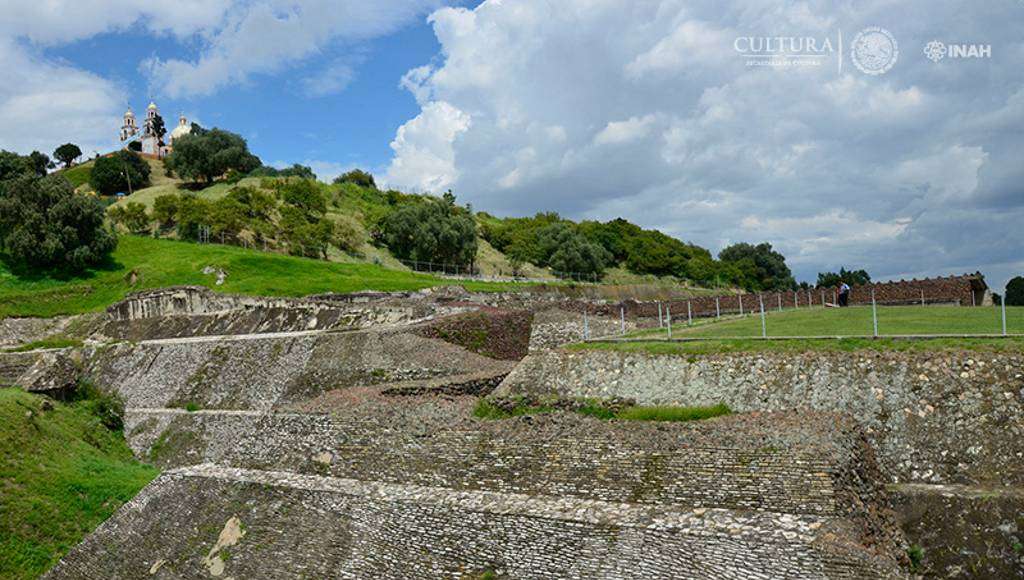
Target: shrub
348, 236
132, 216
108, 408
119, 172
165, 209
665, 413
44, 223
358, 177
1015, 292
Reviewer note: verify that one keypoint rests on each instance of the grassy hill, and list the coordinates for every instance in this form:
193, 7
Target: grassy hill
159, 263
62, 472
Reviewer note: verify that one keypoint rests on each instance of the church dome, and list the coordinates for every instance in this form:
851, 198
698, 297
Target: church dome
183, 128
152, 105
129, 113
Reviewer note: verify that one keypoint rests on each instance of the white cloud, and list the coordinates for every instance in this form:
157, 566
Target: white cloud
333, 79
424, 152
264, 37
618, 132
659, 122
43, 104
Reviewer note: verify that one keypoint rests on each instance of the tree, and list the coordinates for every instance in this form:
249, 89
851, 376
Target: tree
760, 267
44, 223
192, 215
132, 216
305, 195
206, 155
13, 165
358, 177
67, 153
119, 172
40, 163
1015, 292
568, 252
159, 129
851, 277
431, 231
296, 170
165, 209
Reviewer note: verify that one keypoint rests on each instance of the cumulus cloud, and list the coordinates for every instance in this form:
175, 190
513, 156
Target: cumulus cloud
268, 35
644, 110
44, 104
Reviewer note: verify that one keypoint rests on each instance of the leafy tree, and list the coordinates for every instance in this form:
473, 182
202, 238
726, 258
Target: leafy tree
132, 216
159, 129
165, 209
193, 213
347, 235
760, 267
119, 172
295, 170
67, 153
305, 195
228, 217
13, 165
431, 231
40, 163
206, 155
569, 252
259, 205
1015, 292
44, 223
851, 277
358, 177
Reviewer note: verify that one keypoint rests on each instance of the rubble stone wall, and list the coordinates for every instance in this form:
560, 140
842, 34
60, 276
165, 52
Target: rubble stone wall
247, 524
935, 417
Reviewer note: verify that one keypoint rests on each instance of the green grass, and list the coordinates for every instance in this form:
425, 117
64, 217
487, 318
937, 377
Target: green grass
856, 321
56, 341
664, 413
79, 174
737, 345
62, 473
486, 409
160, 263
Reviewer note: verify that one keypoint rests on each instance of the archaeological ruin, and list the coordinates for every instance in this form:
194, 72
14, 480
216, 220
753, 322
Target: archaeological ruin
335, 436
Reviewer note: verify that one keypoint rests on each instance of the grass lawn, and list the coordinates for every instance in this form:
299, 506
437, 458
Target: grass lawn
62, 473
734, 345
161, 263
855, 321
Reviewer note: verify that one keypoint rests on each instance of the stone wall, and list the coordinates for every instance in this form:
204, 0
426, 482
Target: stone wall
800, 464
245, 524
260, 372
937, 417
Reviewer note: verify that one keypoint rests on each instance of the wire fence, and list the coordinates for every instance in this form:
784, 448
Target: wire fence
678, 321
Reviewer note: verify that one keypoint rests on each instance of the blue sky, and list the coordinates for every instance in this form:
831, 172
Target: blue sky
648, 110
283, 122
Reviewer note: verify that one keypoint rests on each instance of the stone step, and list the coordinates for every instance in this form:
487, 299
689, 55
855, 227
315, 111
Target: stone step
208, 520
768, 462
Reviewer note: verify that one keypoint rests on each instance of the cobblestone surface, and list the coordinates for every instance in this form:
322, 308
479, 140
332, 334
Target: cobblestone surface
374, 530
934, 417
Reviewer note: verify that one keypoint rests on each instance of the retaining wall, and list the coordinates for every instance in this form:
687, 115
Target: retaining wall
244, 524
937, 417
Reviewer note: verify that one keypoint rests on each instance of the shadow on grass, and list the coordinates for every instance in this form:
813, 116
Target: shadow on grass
28, 273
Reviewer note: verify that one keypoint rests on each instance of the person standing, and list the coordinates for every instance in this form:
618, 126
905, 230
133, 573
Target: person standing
844, 294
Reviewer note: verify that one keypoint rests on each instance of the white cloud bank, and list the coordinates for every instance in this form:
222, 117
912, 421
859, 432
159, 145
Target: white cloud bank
644, 110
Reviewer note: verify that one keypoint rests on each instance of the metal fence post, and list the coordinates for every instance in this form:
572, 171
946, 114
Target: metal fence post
764, 325
779, 296
718, 308
689, 314
586, 326
822, 298
922, 297
668, 319
796, 299
874, 312
661, 321
741, 305
622, 318
1003, 302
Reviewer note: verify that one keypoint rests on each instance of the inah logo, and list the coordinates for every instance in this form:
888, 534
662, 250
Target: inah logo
936, 51
874, 51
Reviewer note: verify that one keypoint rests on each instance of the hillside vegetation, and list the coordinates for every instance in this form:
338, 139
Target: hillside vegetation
62, 473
